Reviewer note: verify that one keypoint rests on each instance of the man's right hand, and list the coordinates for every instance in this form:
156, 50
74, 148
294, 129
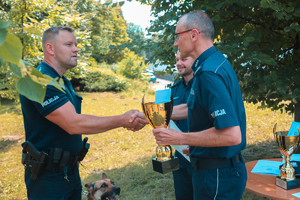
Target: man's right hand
134, 120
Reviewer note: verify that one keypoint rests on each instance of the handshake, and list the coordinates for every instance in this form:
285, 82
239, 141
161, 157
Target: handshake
134, 120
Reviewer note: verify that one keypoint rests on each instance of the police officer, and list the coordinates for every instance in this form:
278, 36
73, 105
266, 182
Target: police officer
180, 93
55, 126
215, 111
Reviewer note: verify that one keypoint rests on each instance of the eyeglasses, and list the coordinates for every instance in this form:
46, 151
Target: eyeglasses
176, 35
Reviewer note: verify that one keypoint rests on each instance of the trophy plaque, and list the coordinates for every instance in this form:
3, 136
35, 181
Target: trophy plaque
287, 146
158, 116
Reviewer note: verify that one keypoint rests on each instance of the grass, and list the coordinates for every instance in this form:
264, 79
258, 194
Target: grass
123, 155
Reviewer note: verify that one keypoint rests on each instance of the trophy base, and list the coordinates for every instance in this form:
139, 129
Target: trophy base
287, 185
165, 166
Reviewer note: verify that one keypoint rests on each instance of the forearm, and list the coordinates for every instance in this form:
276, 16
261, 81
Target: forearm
213, 137
179, 112
73, 123
89, 124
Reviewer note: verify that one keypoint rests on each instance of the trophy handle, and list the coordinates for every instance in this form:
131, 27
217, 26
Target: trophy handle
172, 156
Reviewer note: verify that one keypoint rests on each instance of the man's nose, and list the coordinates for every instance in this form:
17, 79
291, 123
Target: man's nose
175, 43
75, 49
178, 64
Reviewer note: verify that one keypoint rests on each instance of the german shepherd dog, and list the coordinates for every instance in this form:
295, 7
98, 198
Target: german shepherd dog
103, 189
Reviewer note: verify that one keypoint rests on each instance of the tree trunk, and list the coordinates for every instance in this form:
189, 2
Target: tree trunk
297, 112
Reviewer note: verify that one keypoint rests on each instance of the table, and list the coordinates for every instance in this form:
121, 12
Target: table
264, 185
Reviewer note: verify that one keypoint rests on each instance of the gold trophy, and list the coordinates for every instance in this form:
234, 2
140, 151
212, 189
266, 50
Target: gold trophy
158, 116
287, 146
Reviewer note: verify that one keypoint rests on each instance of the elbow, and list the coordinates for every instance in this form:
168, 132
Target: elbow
236, 137
236, 140
72, 130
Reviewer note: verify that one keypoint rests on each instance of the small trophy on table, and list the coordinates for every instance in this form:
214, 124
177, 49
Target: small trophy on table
158, 116
287, 145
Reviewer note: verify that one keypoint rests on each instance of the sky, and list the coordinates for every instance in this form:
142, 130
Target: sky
137, 13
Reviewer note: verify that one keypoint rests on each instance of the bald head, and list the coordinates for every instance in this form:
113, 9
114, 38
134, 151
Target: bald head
198, 20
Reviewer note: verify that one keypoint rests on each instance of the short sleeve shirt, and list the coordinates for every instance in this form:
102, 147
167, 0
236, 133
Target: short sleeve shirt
42, 133
215, 101
180, 94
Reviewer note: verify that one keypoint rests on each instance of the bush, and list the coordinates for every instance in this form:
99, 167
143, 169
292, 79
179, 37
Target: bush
102, 79
132, 65
7, 84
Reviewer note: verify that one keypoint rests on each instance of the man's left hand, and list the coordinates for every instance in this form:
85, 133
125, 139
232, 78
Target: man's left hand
166, 136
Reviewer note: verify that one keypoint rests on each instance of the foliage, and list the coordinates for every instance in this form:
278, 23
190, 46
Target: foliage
7, 84
260, 37
102, 79
29, 81
108, 33
123, 155
100, 30
138, 41
132, 65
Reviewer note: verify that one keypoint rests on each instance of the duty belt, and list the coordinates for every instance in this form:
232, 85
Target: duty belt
56, 159
214, 163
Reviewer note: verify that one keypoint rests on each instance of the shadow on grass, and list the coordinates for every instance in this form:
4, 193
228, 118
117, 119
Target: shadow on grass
138, 181
261, 150
9, 106
6, 144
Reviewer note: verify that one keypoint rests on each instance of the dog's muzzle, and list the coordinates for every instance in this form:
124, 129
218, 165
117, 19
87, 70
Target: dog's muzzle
111, 195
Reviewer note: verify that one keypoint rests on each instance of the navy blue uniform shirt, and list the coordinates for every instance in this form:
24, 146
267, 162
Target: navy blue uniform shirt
42, 133
180, 94
215, 101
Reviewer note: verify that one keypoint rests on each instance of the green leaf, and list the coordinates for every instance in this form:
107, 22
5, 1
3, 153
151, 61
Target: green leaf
3, 31
11, 49
250, 39
45, 80
31, 89
33, 84
287, 29
16, 69
121, 3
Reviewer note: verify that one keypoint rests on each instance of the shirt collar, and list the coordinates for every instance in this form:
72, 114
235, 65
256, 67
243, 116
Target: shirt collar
198, 62
189, 83
50, 70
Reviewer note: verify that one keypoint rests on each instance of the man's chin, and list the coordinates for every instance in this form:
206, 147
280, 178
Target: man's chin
73, 64
181, 72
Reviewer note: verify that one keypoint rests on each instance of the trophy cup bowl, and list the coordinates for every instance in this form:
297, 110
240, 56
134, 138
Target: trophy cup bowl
159, 116
287, 146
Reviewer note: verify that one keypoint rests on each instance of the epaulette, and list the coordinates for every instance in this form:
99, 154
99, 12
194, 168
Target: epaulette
212, 63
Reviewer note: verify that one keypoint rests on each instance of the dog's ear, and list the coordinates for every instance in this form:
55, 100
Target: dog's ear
104, 176
89, 186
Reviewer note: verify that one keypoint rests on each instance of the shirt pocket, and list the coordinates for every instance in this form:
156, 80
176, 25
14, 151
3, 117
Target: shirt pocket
191, 100
177, 100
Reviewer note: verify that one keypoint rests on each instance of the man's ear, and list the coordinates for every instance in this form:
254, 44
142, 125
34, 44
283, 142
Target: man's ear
195, 34
50, 48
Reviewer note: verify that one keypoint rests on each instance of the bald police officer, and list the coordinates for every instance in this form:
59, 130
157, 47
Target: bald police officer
215, 111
